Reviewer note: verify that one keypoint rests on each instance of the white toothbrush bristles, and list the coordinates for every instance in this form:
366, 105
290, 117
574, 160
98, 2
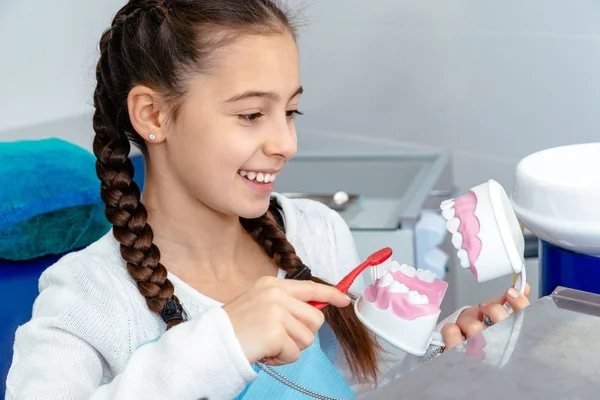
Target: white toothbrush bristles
379, 271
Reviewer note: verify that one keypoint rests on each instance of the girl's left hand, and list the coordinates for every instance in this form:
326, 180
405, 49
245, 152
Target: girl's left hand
471, 321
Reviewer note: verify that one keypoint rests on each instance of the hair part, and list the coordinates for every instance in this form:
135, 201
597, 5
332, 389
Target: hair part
162, 44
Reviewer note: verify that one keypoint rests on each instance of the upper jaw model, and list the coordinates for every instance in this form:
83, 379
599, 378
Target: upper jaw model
485, 232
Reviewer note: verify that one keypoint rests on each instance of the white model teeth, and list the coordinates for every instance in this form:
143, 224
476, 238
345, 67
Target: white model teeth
387, 280
384, 267
447, 204
408, 270
398, 287
452, 225
260, 177
449, 213
395, 266
414, 297
463, 257
426, 275
457, 240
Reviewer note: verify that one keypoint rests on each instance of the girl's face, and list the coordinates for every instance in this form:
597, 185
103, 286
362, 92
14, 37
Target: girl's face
235, 130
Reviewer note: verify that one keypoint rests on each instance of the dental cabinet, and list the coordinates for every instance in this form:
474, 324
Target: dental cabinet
388, 193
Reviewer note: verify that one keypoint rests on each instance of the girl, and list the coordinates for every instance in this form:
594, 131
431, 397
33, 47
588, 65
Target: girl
208, 90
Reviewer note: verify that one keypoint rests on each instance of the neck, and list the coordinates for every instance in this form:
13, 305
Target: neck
193, 239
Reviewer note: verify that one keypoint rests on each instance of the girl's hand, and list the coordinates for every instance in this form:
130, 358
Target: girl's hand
273, 321
471, 321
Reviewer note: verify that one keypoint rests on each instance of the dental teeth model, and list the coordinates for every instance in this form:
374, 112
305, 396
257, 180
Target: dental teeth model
403, 307
486, 233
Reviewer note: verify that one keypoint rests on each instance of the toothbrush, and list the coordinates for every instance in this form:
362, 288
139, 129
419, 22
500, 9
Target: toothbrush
375, 260
379, 271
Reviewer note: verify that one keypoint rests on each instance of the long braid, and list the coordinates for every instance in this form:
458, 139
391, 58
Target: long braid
121, 195
160, 44
359, 345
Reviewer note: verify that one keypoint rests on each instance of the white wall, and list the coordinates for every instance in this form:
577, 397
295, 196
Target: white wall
492, 81
49, 49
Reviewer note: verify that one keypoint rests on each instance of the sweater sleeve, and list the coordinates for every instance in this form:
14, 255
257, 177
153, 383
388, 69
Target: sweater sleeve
81, 326
392, 362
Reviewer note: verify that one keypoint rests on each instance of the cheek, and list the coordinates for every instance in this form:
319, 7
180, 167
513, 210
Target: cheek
213, 158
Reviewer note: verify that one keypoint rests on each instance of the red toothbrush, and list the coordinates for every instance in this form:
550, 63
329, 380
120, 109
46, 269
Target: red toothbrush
375, 259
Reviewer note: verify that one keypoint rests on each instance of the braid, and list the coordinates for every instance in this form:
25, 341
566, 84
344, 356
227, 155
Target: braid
160, 44
359, 345
121, 196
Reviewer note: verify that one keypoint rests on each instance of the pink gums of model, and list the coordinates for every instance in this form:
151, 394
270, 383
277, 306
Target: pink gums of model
464, 207
384, 296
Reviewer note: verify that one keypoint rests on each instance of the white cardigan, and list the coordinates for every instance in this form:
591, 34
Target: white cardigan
89, 320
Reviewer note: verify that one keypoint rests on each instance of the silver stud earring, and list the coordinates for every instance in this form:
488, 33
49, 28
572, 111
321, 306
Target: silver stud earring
152, 136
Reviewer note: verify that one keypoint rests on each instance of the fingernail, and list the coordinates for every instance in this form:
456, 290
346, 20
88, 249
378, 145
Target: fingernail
484, 304
512, 292
348, 298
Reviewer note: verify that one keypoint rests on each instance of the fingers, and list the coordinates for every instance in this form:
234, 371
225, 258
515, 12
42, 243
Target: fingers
502, 299
302, 336
496, 312
452, 335
309, 316
527, 290
288, 354
516, 299
469, 323
298, 337
312, 291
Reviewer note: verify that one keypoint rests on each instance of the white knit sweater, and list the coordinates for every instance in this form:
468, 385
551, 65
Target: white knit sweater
89, 321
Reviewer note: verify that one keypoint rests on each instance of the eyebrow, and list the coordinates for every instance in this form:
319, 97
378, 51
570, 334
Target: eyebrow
267, 95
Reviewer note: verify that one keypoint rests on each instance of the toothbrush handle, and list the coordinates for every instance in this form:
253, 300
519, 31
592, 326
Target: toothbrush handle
344, 285
318, 305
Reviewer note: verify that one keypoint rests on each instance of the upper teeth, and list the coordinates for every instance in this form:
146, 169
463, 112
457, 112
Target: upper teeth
463, 257
446, 204
452, 224
449, 213
259, 176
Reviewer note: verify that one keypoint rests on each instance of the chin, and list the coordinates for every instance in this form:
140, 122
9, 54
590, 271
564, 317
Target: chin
254, 209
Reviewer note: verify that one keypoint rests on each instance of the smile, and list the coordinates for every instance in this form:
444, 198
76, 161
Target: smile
259, 177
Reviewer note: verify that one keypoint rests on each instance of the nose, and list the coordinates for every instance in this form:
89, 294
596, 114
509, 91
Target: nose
282, 142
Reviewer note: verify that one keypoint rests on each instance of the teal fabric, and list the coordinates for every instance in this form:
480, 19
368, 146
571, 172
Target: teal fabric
49, 199
313, 370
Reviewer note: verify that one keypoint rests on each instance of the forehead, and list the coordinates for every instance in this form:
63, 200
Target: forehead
255, 62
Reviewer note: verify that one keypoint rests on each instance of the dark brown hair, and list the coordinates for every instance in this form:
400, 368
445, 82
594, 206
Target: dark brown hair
159, 44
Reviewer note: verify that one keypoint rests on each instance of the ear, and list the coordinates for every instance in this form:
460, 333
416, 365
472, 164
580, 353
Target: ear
147, 113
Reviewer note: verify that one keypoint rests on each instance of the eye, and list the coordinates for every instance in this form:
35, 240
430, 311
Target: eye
250, 118
291, 114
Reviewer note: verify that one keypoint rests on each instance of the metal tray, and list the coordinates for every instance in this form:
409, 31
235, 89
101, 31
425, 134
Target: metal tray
326, 199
